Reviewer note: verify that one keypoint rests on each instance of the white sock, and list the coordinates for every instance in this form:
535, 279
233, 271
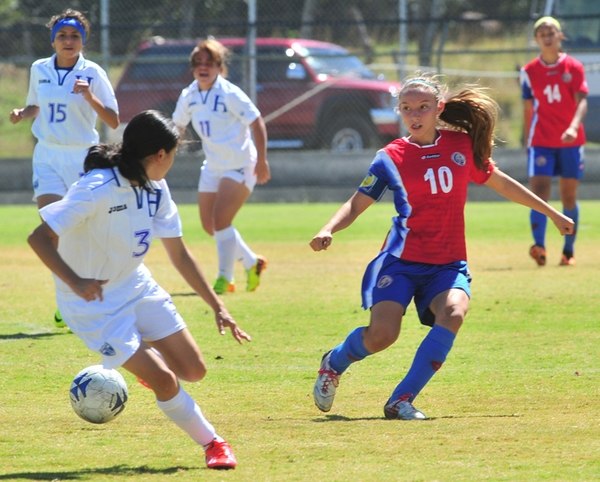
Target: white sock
244, 252
226, 249
185, 412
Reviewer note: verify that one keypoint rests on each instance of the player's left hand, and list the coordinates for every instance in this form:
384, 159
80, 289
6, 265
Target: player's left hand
263, 172
225, 320
569, 135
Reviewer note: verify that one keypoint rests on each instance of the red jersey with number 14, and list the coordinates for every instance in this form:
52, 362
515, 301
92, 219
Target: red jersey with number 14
429, 184
553, 89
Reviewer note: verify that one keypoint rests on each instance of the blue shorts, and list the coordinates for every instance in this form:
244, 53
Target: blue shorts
565, 162
388, 278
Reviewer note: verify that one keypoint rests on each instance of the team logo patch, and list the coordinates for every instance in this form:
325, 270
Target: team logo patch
541, 161
384, 281
458, 158
368, 181
567, 77
107, 350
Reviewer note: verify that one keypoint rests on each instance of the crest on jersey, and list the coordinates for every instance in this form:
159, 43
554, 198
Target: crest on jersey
368, 181
567, 77
458, 158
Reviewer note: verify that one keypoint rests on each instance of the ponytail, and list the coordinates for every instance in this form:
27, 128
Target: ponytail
473, 111
146, 134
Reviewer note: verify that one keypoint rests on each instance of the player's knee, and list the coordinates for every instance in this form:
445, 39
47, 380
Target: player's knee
164, 384
193, 372
379, 338
453, 318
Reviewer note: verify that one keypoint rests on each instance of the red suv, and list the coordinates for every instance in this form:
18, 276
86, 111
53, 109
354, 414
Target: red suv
312, 94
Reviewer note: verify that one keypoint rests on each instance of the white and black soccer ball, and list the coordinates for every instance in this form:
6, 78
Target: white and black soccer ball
98, 394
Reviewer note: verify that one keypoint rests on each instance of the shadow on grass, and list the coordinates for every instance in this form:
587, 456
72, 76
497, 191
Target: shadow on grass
92, 473
29, 336
342, 418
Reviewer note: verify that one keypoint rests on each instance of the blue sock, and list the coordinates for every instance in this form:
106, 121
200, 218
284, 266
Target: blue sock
351, 350
569, 248
538, 227
429, 358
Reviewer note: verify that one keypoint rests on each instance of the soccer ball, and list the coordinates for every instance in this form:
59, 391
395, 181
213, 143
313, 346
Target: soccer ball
98, 394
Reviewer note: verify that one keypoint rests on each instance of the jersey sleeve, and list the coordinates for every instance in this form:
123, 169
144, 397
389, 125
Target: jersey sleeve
32, 98
479, 176
181, 115
167, 223
526, 92
579, 80
377, 180
241, 106
103, 89
74, 209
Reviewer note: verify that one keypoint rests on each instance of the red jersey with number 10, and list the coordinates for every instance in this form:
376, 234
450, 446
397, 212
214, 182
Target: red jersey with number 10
429, 184
553, 89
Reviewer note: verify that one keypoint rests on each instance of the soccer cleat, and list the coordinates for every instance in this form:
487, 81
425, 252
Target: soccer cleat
567, 260
223, 285
538, 253
58, 320
402, 409
219, 456
327, 382
253, 274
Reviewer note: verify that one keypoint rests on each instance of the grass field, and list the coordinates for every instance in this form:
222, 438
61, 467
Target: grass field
516, 400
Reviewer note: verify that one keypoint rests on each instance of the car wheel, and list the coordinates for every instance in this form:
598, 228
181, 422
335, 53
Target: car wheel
351, 133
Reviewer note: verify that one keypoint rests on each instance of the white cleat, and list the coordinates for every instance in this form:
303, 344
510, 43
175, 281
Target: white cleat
326, 384
402, 410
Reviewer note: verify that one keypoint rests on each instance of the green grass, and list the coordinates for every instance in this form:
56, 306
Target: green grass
516, 400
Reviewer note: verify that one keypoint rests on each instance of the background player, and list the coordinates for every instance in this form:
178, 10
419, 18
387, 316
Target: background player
424, 254
67, 93
224, 117
554, 91
106, 223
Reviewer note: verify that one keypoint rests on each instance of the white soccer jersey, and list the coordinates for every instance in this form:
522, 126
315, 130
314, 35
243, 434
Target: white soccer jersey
221, 117
105, 228
66, 118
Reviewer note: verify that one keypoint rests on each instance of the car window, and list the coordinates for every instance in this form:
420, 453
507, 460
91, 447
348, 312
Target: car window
337, 63
166, 63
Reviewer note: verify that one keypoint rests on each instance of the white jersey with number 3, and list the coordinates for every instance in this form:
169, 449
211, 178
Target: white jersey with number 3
66, 118
105, 228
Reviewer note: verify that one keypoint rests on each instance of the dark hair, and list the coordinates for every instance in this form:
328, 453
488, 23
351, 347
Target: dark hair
146, 134
470, 110
473, 111
70, 13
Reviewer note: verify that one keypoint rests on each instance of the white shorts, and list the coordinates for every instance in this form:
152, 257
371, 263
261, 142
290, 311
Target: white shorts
118, 334
55, 168
211, 177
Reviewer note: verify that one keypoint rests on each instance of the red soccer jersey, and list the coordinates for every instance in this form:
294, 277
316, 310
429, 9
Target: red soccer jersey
552, 89
430, 191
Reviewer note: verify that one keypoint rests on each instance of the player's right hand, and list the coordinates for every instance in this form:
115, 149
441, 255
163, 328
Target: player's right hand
321, 241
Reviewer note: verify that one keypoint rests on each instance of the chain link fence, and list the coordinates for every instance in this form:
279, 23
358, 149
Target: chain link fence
337, 94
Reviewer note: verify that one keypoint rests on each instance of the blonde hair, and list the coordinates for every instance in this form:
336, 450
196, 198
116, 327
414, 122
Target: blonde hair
470, 110
216, 51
